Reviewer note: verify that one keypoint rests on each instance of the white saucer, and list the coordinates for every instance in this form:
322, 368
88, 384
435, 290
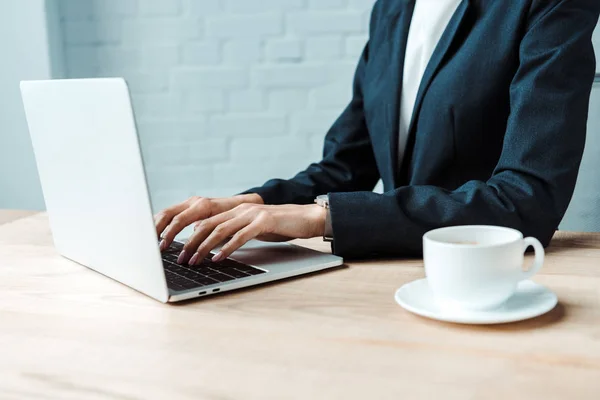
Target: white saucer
529, 301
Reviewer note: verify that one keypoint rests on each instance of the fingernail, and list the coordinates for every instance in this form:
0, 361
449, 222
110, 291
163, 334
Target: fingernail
218, 257
194, 259
181, 258
163, 245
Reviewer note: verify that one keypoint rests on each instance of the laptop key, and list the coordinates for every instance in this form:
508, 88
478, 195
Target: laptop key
205, 271
170, 257
175, 269
176, 246
193, 276
222, 277
188, 284
205, 281
254, 271
233, 272
175, 286
244, 268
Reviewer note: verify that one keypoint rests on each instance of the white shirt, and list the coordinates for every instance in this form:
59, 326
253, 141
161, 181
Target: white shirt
429, 21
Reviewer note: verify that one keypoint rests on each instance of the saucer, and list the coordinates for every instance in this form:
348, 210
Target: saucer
529, 301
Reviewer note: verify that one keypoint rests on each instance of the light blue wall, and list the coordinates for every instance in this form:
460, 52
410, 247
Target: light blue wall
584, 211
25, 55
227, 93
194, 75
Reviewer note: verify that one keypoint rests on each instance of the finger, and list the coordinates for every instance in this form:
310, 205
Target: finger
163, 218
198, 210
204, 228
242, 237
218, 235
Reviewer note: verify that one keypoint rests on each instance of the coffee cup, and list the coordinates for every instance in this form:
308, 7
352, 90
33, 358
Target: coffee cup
477, 267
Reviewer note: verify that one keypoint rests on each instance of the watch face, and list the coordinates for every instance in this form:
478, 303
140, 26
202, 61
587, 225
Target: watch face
323, 200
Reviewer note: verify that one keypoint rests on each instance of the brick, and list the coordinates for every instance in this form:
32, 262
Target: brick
118, 57
326, 4
289, 50
154, 130
336, 96
306, 123
114, 7
81, 61
152, 105
202, 8
248, 125
86, 9
290, 76
202, 101
242, 51
101, 59
146, 81
239, 26
183, 178
322, 48
246, 101
252, 85
250, 174
161, 31
286, 100
173, 154
317, 143
312, 22
104, 64
212, 77
254, 6
361, 4
207, 150
204, 53
160, 57
160, 7
355, 45
341, 72
92, 32
162, 199
71, 10
280, 148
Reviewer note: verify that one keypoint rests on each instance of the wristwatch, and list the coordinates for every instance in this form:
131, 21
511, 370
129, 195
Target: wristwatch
323, 201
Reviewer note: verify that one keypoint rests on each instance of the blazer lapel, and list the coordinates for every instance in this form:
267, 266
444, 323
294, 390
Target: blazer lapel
435, 63
398, 36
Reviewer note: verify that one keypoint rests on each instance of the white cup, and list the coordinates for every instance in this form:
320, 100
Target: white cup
477, 267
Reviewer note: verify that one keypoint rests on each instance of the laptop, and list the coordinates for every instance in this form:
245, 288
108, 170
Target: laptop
91, 170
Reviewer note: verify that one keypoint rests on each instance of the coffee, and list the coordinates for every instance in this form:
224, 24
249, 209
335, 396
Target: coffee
465, 242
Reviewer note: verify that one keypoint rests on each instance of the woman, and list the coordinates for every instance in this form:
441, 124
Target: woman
471, 112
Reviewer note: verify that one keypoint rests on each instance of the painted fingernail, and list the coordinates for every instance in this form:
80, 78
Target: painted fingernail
181, 258
163, 245
218, 257
194, 259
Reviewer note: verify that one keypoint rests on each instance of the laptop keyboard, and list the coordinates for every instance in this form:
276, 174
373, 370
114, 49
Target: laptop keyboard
183, 276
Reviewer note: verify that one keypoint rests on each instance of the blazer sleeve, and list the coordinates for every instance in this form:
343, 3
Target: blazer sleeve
348, 162
534, 180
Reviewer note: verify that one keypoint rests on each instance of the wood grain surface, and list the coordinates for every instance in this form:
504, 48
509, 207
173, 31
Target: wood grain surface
69, 333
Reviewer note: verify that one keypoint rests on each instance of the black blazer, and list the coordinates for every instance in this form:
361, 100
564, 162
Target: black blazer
497, 135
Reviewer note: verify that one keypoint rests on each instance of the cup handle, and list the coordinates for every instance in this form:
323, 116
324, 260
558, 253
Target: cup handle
539, 257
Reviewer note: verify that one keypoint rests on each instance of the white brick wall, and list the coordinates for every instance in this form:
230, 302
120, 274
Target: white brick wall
228, 93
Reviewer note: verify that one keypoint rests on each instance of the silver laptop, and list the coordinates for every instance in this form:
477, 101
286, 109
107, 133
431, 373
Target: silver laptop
88, 156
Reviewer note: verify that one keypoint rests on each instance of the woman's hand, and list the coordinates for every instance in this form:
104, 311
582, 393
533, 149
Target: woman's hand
171, 221
250, 221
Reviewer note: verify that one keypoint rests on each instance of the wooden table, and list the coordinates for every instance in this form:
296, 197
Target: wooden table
69, 333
